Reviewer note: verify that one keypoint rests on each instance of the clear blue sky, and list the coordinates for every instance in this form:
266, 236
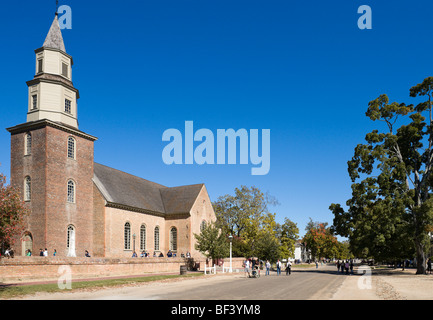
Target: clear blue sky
302, 69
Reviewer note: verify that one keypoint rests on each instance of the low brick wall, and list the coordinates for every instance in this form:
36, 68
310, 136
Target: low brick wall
26, 269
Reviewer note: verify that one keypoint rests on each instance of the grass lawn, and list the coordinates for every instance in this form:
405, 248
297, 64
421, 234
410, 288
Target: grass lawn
10, 292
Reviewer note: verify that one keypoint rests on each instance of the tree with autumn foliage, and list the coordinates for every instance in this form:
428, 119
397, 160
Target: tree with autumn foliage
320, 241
12, 213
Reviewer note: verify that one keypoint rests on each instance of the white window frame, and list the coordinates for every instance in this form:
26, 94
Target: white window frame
71, 152
27, 188
71, 191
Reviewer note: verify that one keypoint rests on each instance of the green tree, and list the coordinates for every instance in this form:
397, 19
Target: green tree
12, 213
244, 215
289, 234
390, 211
212, 242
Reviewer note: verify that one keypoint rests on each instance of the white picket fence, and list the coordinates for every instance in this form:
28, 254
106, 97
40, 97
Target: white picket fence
215, 269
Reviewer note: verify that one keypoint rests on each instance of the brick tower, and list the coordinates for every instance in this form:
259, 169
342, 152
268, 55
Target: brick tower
52, 160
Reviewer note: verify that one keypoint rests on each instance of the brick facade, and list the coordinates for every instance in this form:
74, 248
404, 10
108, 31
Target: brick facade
50, 169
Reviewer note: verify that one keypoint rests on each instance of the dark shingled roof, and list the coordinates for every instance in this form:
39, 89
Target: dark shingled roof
122, 188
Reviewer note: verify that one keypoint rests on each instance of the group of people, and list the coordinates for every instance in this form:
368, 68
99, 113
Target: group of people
279, 267
251, 264
44, 253
145, 254
345, 266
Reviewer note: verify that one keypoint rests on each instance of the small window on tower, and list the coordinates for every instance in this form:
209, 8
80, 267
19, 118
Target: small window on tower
65, 70
34, 101
40, 65
68, 106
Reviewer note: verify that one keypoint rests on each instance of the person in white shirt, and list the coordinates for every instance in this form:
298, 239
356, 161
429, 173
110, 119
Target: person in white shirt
268, 267
247, 267
288, 267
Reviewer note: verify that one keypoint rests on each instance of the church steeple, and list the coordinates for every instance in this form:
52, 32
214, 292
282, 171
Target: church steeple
54, 39
52, 95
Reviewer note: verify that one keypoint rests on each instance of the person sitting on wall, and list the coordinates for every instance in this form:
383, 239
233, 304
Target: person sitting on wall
134, 255
169, 254
87, 254
161, 255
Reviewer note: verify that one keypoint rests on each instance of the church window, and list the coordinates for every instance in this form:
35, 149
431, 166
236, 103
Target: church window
71, 148
34, 101
27, 188
202, 225
127, 236
173, 239
71, 191
156, 238
70, 236
142, 237
68, 106
64, 70
28, 144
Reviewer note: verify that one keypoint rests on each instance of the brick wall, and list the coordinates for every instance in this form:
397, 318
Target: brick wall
27, 269
50, 169
23, 269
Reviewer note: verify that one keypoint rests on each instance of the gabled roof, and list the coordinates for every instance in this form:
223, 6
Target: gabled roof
127, 190
54, 39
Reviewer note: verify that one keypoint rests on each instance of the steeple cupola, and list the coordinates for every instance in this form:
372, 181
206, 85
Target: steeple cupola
52, 95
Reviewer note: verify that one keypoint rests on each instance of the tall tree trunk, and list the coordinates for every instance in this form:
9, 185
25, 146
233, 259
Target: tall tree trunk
420, 257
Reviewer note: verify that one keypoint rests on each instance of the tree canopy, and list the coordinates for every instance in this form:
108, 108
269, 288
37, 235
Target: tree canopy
12, 213
390, 212
247, 217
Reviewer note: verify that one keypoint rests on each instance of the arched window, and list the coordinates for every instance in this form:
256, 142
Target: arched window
27, 188
71, 148
71, 191
156, 238
71, 237
143, 237
70, 241
26, 244
173, 239
127, 236
28, 144
202, 225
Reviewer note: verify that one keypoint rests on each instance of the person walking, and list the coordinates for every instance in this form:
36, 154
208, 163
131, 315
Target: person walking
268, 267
247, 268
278, 267
288, 267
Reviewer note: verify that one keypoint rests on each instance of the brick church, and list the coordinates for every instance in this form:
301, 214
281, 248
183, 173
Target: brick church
76, 204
